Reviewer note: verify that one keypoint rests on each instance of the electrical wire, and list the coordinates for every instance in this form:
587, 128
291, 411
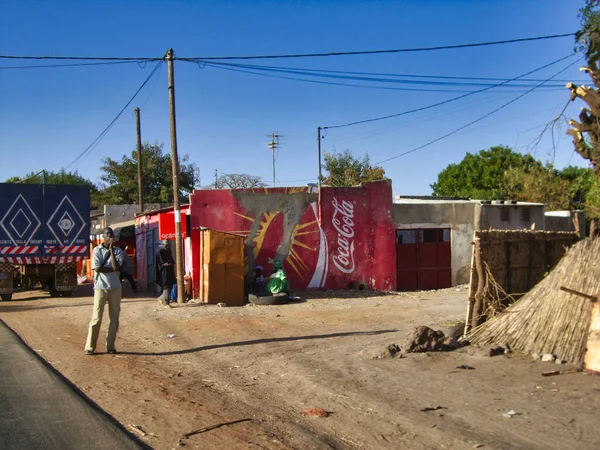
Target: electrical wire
432, 115
372, 52
31, 176
389, 116
101, 136
341, 75
153, 87
82, 58
477, 120
48, 66
299, 55
331, 83
385, 74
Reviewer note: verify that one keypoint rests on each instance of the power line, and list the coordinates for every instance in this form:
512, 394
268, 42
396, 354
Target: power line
389, 116
350, 76
477, 120
331, 83
96, 141
153, 87
384, 74
453, 109
31, 176
343, 74
47, 66
82, 58
372, 52
299, 55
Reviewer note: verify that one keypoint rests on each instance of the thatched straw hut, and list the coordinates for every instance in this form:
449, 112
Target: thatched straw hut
548, 319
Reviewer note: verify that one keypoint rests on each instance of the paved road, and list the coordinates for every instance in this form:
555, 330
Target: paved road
39, 410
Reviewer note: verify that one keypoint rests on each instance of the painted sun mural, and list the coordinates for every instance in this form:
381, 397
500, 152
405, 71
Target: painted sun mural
267, 222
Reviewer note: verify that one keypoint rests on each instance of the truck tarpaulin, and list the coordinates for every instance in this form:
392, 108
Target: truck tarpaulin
43, 223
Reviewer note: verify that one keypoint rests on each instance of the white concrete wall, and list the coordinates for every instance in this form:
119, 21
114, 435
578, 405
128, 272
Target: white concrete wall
564, 221
492, 216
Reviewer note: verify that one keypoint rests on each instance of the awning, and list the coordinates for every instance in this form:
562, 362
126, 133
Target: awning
122, 230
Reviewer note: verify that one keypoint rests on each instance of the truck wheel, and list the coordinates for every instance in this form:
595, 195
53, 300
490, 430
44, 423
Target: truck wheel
66, 293
52, 288
6, 297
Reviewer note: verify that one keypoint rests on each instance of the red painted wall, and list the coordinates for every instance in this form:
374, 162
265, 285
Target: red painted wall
354, 245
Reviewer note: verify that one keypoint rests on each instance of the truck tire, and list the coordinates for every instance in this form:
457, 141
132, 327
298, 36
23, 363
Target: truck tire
268, 299
52, 288
6, 297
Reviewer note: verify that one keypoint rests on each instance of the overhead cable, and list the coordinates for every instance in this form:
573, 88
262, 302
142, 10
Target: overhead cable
82, 58
48, 66
333, 83
423, 108
479, 119
350, 76
299, 55
96, 141
379, 74
30, 177
373, 52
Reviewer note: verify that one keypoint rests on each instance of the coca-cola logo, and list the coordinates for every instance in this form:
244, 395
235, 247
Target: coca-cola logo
343, 222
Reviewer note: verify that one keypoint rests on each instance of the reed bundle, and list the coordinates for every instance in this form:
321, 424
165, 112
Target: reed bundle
547, 319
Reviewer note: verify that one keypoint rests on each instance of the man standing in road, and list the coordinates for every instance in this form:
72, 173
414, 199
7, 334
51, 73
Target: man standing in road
165, 273
107, 260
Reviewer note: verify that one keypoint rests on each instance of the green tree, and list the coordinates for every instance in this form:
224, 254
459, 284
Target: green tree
481, 175
592, 203
587, 39
586, 131
120, 178
60, 177
539, 185
345, 170
581, 181
238, 181
50, 177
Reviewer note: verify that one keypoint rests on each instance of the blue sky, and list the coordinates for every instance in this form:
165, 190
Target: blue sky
48, 116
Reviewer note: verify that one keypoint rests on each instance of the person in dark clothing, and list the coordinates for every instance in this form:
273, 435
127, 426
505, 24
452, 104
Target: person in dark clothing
165, 272
127, 269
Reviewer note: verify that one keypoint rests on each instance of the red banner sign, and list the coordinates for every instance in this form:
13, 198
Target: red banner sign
166, 226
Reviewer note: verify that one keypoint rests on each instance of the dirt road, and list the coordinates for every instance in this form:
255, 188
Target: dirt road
183, 369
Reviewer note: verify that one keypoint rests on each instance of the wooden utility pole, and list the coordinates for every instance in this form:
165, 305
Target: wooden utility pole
139, 160
319, 172
216, 179
175, 165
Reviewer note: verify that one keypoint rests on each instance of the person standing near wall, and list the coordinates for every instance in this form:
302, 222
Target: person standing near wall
165, 273
107, 260
127, 270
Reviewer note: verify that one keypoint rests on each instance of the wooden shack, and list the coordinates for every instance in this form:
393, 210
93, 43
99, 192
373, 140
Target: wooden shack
221, 267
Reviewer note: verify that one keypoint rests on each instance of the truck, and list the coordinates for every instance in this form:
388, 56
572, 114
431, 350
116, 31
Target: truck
44, 232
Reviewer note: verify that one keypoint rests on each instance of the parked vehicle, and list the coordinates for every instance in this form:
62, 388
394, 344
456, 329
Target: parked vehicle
44, 231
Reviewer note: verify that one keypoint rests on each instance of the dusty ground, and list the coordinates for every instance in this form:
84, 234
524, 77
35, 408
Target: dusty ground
269, 363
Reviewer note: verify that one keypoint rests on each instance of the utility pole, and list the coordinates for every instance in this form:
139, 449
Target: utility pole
274, 144
175, 165
139, 160
216, 179
319, 180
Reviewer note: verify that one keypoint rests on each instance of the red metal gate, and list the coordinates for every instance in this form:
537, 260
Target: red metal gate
423, 259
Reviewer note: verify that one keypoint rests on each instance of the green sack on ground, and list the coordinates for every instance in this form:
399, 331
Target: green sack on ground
278, 281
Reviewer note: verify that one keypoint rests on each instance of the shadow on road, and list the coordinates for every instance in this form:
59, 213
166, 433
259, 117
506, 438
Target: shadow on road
21, 305
260, 341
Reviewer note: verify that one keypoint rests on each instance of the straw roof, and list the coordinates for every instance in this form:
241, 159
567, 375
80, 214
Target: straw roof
547, 319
